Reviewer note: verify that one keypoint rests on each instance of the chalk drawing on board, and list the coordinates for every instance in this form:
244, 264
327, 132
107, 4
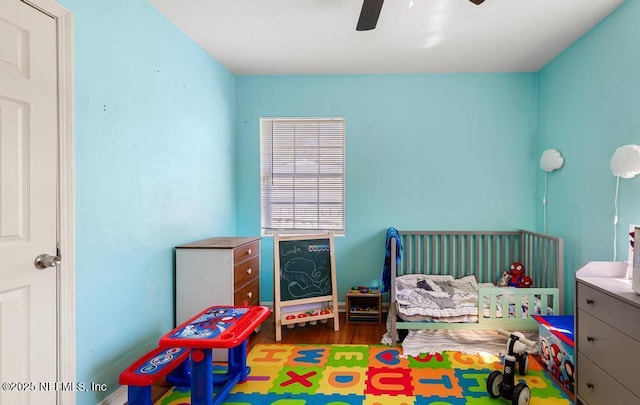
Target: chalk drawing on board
303, 279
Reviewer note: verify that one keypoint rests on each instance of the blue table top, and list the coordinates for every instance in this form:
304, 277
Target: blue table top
216, 327
559, 325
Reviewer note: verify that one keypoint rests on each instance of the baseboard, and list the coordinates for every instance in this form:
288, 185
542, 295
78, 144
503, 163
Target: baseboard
118, 397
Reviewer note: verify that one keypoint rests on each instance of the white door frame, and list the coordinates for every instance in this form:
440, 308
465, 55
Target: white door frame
66, 328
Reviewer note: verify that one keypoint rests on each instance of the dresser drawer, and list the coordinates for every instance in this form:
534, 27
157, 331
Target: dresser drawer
597, 387
609, 349
615, 312
246, 251
249, 293
246, 271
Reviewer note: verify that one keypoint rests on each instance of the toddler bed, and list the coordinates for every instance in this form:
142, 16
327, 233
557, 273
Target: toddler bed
447, 280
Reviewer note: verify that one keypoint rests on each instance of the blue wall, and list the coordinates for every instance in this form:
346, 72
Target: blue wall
422, 152
589, 103
155, 129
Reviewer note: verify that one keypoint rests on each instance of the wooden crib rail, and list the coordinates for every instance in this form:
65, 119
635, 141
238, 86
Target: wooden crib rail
485, 254
543, 257
458, 253
495, 300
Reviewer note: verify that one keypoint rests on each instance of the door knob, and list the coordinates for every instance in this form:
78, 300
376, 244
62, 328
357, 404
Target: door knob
44, 260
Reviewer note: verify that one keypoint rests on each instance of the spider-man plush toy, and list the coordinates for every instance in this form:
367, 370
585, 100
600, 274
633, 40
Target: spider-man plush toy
518, 277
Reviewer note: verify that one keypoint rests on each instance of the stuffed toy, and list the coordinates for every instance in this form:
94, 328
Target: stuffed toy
518, 277
504, 279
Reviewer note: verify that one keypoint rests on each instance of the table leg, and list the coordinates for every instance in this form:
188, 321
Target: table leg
139, 395
201, 377
238, 361
237, 371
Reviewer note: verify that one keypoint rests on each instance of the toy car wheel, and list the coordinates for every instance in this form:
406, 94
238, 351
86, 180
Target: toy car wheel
521, 395
523, 364
494, 381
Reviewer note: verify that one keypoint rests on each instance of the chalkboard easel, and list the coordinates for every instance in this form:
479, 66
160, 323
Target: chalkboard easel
304, 280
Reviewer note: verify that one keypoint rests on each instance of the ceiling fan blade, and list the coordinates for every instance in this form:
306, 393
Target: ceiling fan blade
369, 15
477, 2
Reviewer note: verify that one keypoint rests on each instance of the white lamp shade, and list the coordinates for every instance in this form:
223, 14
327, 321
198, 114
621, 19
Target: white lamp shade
551, 160
625, 161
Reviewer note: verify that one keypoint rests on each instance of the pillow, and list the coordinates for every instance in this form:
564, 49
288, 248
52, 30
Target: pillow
469, 279
467, 284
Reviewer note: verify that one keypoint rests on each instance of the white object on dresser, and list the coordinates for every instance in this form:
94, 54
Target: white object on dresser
635, 280
607, 335
635, 261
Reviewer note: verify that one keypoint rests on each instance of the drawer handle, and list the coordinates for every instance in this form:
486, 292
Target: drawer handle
590, 339
589, 385
249, 294
589, 301
249, 270
249, 251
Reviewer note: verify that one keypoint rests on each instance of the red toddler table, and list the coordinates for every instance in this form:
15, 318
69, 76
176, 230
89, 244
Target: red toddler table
217, 327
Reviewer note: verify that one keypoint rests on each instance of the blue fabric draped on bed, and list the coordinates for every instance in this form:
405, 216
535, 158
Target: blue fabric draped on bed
385, 282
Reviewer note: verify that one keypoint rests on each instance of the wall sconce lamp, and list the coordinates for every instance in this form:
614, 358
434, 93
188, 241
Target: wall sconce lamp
550, 160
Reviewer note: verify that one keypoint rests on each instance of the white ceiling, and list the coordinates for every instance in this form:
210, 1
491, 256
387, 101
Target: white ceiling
433, 36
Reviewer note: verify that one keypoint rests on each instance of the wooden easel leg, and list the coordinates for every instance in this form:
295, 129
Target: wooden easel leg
336, 314
278, 324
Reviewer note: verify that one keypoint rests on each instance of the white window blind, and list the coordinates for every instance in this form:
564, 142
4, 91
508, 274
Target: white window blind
302, 174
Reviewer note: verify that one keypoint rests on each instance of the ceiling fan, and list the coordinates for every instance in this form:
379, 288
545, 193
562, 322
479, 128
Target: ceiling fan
371, 12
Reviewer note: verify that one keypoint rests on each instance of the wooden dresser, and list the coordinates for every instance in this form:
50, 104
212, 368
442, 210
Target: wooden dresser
216, 271
607, 335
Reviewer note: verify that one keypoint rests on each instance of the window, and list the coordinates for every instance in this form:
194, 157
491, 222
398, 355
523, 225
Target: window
302, 175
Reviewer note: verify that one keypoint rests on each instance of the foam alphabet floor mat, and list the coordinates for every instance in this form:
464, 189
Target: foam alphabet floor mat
371, 374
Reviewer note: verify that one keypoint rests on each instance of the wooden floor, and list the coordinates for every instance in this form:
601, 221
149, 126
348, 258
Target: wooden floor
349, 333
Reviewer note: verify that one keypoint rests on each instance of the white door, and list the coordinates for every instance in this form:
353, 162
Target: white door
28, 211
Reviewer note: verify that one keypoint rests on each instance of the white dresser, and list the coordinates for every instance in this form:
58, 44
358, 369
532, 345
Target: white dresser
216, 271
607, 343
